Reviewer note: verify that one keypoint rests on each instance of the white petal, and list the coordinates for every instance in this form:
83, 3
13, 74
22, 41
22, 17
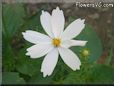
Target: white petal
39, 50
49, 62
70, 43
73, 29
70, 58
45, 19
35, 37
58, 21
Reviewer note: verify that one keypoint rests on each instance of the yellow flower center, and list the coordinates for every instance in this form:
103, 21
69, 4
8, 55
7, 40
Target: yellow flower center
56, 42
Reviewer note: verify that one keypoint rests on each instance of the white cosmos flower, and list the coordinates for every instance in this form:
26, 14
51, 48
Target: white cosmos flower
57, 42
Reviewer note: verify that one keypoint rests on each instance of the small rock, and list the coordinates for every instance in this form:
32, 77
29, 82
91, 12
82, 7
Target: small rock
94, 16
67, 5
105, 9
108, 21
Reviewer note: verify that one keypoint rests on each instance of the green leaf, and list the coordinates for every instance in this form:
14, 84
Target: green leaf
93, 45
102, 74
93, 74
12, 78
12, 18
79, 76
8, 59
39, 79
26, 65
33, 23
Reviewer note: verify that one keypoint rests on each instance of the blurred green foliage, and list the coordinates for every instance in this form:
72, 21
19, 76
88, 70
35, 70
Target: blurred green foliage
21, 69
12, 77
